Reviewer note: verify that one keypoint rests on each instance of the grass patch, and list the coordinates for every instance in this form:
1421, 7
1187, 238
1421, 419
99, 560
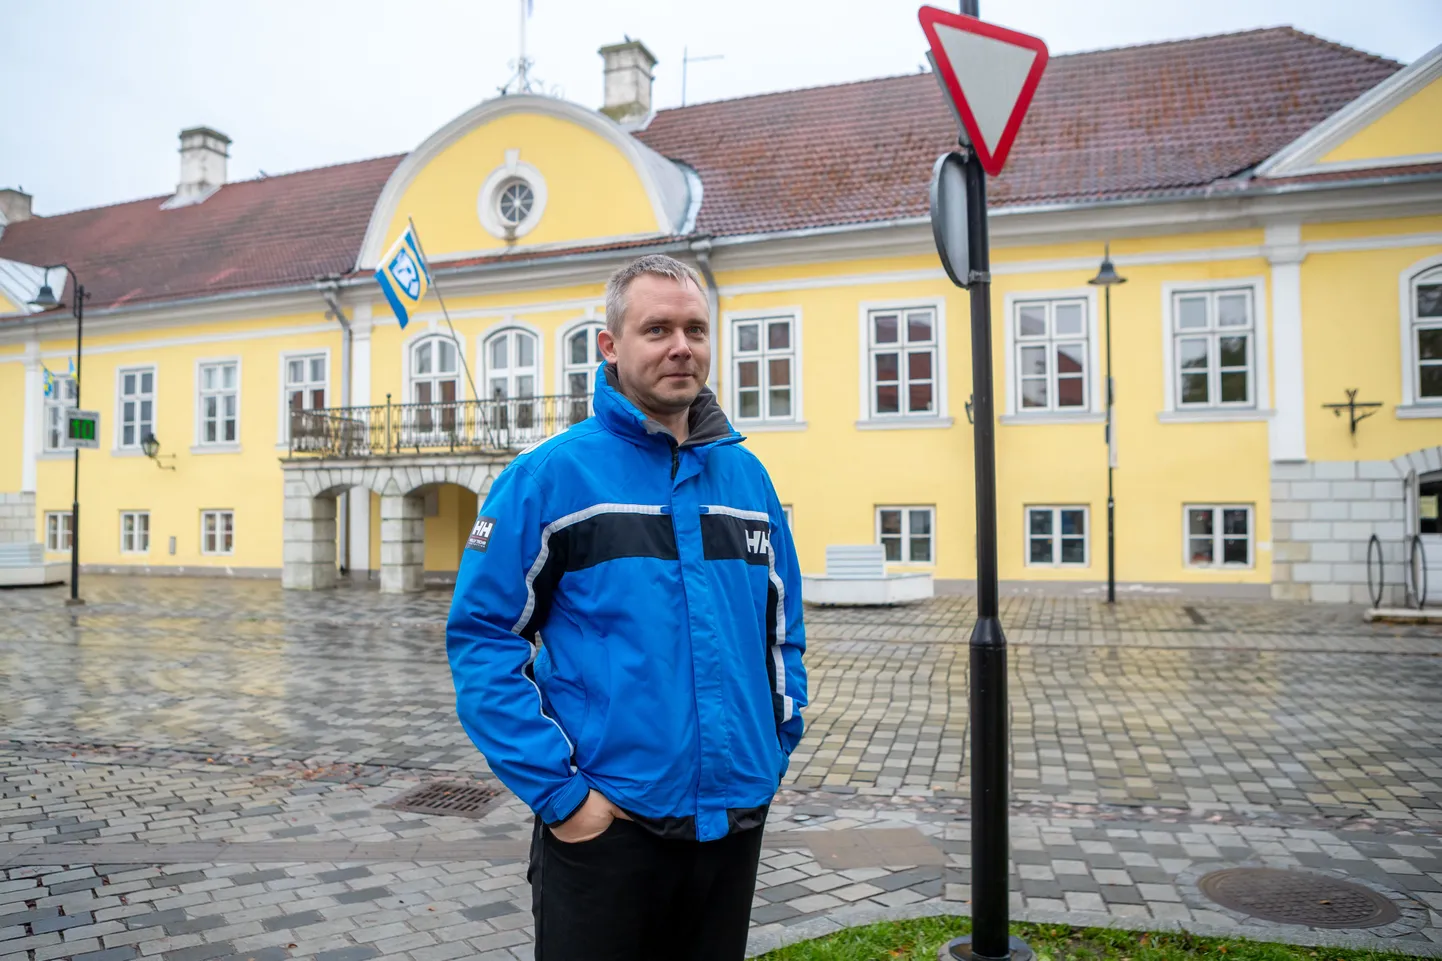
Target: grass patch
919, 940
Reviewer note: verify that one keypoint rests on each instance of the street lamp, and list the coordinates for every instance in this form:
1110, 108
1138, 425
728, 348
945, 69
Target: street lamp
1108, 277
46, 300
150, 446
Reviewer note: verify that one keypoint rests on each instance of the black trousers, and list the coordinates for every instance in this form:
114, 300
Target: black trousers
629, 895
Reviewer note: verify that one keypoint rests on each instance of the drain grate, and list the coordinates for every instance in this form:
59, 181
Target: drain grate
446, 798
1294, 897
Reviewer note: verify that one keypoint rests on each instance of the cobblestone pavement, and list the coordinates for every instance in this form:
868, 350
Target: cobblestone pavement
193, 769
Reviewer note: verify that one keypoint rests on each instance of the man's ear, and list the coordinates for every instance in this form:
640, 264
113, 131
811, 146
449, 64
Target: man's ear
607, 343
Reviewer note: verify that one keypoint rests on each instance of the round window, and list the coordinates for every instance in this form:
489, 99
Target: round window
514, 202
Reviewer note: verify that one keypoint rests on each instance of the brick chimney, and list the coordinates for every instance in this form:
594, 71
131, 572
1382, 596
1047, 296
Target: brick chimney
203, 154
14, 206
628, 82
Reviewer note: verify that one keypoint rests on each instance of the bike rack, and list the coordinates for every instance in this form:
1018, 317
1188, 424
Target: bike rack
1414, 575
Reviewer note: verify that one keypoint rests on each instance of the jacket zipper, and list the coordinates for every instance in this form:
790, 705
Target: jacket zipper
675, 460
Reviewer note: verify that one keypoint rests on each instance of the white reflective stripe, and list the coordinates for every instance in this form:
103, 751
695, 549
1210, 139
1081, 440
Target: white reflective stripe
541, 703
787, 705
558, 524
736, 512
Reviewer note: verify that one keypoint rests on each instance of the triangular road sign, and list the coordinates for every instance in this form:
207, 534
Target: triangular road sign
990, 73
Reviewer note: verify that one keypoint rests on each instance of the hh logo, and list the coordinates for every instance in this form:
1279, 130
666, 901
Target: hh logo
403, 268
758, 542
480, 537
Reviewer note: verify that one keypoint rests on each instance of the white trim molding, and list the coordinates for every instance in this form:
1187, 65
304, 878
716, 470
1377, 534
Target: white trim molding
282, 414
1094, 378
1304, 155
34, 412
941, 416
797, 420
666, 185
1287, 435
1413, 405
1261, 382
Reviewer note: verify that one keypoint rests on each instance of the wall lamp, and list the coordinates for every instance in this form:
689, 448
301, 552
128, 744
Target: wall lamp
151, 447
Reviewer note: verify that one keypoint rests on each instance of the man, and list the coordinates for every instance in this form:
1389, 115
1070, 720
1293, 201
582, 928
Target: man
626, 642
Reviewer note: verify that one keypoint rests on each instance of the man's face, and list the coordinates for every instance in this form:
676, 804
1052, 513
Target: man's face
664, 350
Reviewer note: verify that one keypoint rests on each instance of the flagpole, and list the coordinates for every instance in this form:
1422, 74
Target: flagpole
465, 365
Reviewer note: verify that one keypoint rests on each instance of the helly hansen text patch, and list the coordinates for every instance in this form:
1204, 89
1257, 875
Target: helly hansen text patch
481, 534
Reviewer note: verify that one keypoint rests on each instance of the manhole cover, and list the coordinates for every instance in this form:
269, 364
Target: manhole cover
446, 797
1293, 897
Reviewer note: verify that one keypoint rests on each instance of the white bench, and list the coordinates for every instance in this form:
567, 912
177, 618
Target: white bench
856, 574
24, 565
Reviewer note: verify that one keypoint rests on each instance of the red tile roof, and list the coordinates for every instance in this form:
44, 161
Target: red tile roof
1128, 122
1157, 119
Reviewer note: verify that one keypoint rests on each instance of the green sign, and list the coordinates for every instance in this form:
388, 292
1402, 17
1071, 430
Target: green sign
82, 429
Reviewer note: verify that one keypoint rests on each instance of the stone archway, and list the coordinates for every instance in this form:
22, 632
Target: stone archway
312, 485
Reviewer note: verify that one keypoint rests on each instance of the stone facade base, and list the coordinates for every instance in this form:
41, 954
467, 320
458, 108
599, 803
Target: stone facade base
312, 485
17, 518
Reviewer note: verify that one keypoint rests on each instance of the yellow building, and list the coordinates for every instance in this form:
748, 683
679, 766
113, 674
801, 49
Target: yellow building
1274, 202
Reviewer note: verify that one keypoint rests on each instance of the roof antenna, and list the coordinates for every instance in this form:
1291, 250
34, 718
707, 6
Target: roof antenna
521, 81
687, 58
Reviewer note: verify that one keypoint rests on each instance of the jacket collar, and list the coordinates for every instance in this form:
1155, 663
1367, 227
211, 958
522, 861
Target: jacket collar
706, 420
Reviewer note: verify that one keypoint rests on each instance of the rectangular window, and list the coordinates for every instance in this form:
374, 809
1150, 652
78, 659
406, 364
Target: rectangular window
763, 369
1214, 348
62, 397
1219, 536
1051, 355
907, 534
1427, 321
134, 532
217, 532
137, 406
305, 383
57, 530
786, 509
219, 402
1056, 537
902, 362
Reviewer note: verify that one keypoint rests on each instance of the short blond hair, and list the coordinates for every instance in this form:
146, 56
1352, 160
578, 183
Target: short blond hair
658, 265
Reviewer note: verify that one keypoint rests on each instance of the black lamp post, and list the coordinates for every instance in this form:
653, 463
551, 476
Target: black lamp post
1108, 277
47, 300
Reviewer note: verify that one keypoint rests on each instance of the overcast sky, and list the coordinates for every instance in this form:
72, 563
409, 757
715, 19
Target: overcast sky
96, 91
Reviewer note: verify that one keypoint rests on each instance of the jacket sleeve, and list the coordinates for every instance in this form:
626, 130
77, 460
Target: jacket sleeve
502, 595
793, 633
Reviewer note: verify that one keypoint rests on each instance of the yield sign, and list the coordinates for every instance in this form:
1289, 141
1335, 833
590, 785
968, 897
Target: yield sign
990, 74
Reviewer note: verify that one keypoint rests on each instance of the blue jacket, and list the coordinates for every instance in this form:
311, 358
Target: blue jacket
627, 617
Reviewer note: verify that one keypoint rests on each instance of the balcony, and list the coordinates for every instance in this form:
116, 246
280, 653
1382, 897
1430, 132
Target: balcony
503, 425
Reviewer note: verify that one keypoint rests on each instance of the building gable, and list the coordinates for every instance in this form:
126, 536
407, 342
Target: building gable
1395, 124
578, 178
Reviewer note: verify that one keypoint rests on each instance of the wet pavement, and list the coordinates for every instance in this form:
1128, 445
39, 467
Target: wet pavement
192, 768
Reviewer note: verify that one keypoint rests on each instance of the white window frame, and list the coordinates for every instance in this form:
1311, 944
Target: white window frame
219, 445
906, 535
730, 319
120, 373
1413, 404
138, 534
286, 356
56, 407
219, 514
488, 198
1056, 535
1218, 538
1259, 408
1095, 410
563, 366
786, 511
941, 416
57, 531
483, 345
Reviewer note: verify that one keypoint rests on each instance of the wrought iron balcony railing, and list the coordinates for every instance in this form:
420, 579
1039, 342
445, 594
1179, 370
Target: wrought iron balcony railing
499, 425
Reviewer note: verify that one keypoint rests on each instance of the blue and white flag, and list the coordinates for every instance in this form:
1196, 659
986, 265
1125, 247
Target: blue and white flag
49, 381
403, 276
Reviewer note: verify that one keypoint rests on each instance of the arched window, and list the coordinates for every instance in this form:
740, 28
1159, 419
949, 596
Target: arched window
435, 368
513, 375
581, 355
1427, 335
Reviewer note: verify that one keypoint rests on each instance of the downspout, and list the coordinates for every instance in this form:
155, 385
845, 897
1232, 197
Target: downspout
329, 289
702, 250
